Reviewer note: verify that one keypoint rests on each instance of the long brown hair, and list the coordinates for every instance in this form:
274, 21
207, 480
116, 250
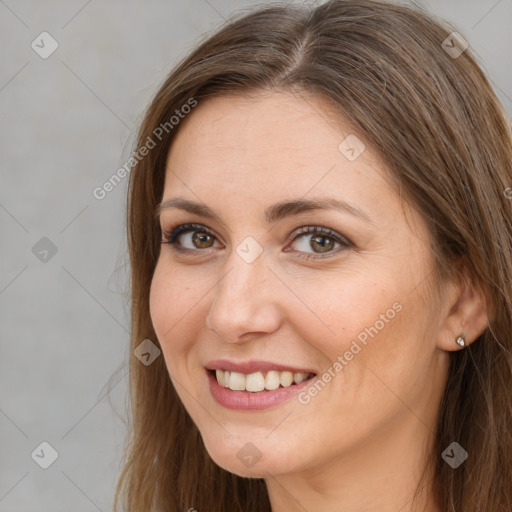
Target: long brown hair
434, 119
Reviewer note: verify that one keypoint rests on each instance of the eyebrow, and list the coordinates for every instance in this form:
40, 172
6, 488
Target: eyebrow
273, 213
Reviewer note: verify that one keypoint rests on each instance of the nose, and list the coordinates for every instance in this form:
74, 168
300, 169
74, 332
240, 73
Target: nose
245, 302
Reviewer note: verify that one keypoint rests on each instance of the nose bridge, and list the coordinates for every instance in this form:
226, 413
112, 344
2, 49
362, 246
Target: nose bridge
243, 301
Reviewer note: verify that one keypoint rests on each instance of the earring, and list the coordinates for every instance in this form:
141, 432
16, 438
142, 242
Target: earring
461, 340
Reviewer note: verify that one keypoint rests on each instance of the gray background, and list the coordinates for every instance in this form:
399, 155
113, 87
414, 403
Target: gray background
68, 122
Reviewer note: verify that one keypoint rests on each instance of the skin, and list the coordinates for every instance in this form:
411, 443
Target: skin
362, 442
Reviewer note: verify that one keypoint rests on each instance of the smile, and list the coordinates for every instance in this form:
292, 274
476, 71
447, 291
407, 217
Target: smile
259, 381
254, 385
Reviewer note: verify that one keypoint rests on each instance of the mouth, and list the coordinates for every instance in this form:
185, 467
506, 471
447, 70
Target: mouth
259, 382
255, 385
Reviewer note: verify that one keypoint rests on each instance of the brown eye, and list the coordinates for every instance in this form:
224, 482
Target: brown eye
322, 243
316, 240
202, 240
311, 242
189, 237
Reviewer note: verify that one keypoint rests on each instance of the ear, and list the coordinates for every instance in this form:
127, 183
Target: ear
465, 312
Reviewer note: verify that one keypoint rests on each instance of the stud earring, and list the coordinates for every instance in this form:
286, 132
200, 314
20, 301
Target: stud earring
461, 340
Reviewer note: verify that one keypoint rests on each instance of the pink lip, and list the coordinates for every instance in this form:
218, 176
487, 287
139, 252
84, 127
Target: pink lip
253, 367
247, 400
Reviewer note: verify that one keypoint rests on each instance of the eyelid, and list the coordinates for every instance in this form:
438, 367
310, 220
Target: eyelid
172, 234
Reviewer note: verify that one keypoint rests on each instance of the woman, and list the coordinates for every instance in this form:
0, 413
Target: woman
320, 236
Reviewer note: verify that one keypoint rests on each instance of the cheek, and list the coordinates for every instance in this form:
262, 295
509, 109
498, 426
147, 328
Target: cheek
171, 303
161, 302
368, 328
345, 305
173, 295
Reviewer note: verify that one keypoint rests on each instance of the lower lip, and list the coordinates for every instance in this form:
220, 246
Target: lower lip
246, 400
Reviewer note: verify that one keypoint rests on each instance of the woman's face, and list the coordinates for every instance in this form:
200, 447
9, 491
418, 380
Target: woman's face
246, 292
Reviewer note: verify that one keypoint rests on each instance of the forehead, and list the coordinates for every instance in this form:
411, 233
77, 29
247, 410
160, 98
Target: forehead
268, 142
277, 122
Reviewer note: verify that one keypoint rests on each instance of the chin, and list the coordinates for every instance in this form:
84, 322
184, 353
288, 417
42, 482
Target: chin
258, 458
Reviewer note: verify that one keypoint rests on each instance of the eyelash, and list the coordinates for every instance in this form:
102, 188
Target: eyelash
171, 237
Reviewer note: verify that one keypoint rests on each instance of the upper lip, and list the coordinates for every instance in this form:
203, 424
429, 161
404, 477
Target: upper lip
253, 366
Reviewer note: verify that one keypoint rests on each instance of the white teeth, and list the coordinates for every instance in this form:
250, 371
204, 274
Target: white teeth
286, 379
237, 381
257, 382
272, 380
299, 377
220, 377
